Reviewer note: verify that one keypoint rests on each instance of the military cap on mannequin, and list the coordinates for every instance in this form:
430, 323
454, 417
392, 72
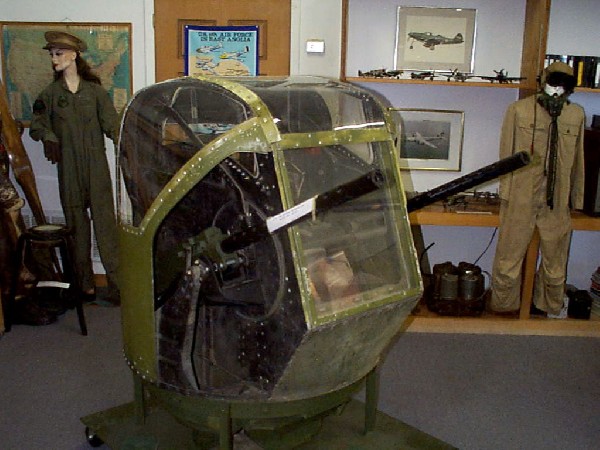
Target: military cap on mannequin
61, 39
559, 74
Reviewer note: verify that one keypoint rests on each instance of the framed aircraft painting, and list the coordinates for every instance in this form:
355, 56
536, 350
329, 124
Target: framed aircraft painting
435, 39
429, 139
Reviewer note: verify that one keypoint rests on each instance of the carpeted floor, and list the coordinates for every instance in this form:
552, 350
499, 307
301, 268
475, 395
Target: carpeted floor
473, 391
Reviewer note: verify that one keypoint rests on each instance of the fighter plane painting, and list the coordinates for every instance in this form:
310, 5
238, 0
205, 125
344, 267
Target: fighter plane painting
209, 48
430, 40
238, 55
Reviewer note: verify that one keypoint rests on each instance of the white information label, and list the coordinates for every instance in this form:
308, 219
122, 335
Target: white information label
289, 215
58, 284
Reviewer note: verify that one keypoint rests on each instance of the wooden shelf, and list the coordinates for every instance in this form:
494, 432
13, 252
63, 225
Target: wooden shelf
436, 214
488, 216
424, 321
498, 325
589, 90
469, 84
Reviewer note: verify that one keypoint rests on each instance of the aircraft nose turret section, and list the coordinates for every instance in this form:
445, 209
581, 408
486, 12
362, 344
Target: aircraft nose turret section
302, 173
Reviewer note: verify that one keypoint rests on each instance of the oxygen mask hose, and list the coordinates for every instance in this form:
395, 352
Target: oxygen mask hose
552, 99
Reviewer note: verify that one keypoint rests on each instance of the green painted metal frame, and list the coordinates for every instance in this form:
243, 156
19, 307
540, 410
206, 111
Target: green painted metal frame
137, 275
136, 271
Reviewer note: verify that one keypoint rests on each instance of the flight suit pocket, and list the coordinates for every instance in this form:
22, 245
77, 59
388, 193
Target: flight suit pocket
525, 135
568, 133
87, 107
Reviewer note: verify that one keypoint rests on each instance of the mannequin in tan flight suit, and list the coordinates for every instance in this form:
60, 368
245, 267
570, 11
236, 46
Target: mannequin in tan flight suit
541, 194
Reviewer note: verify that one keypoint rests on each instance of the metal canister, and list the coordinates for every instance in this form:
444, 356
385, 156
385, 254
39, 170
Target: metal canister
471, 282
439, 270
470, 286
449, 286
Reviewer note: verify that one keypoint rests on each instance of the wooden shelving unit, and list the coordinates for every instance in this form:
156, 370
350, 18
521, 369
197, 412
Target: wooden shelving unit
426, 321
535, 37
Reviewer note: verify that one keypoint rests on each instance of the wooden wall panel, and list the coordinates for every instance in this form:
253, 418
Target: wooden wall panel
273, 18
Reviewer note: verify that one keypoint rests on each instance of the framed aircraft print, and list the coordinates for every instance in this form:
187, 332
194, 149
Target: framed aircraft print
429, 139
435, 39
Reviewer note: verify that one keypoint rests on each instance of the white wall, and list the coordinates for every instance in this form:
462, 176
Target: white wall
316, 19
574, 27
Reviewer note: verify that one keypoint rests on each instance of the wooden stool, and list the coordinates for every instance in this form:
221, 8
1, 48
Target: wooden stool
50, 237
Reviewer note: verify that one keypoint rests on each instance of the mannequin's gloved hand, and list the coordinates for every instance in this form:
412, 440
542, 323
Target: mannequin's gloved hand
52, 151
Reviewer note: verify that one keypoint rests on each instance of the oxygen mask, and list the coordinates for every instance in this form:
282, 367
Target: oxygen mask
554, 91
557, 88
552, 99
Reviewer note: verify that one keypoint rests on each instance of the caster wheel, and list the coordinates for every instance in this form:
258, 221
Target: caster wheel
93, 438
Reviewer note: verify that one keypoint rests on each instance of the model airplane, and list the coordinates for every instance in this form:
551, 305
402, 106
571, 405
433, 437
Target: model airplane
455, 75
501, 77
430, 40
380, 73
418, 138
422, 75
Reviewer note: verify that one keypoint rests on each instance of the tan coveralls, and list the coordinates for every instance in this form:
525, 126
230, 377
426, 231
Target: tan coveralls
523, 203
78, 122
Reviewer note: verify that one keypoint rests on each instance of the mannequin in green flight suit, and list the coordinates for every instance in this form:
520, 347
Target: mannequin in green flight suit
71, 117
542, 194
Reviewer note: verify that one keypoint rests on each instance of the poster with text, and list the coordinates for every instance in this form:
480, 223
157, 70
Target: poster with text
221, 50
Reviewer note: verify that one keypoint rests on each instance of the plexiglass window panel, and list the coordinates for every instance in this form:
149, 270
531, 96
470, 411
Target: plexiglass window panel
352, 253
163, 128
303, 107
235, 318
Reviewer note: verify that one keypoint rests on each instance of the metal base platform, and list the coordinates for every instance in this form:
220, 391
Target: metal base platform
119, 429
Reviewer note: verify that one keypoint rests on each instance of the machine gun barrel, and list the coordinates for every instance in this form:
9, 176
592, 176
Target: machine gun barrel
351, 190
470, 180
364, 185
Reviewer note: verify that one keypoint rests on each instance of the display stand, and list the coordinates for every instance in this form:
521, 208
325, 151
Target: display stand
327, 422
119, 428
